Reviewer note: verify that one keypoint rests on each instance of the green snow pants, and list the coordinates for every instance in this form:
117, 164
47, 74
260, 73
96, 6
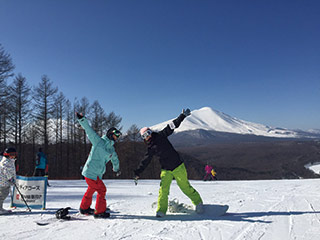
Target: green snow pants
180, 174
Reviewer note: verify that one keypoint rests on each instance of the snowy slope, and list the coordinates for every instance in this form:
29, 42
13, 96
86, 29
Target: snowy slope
265, 210
211, 120
315, 167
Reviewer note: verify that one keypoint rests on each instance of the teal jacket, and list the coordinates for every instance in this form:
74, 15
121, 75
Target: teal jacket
102, 151
41, 161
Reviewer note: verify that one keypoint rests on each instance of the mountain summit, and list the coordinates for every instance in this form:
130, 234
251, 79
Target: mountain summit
211, 120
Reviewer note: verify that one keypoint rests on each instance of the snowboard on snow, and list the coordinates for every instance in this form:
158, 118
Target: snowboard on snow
13, 211
215, 210
73, 217
63, 215
209, 210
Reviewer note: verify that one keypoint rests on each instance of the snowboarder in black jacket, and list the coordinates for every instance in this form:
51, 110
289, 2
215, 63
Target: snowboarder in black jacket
172, 165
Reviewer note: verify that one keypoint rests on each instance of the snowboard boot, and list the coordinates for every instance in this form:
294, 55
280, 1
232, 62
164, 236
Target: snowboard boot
199, 208
88, 211
160, 214
4, 211
102, 215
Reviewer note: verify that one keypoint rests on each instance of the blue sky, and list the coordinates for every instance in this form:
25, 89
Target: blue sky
147, 59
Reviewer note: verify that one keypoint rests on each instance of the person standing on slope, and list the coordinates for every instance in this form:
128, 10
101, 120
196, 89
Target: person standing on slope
172, 165
41, 164
101, 153
7, 175
209, 173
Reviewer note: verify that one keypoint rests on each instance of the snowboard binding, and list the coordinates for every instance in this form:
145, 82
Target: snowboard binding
62, 213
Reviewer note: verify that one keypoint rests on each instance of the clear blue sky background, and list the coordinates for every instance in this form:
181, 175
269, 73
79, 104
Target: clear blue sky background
147, 59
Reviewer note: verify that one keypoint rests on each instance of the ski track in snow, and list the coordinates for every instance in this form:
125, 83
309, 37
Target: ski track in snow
278, 209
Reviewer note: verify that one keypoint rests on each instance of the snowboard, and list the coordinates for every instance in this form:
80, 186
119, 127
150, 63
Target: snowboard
209, 210
73, 217
69, 217
215, 210
5, 212
13, 211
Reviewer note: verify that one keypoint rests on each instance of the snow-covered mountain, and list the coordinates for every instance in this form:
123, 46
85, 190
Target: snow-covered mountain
208, 119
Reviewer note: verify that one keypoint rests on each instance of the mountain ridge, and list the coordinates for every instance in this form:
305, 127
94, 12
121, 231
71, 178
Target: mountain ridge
215, 121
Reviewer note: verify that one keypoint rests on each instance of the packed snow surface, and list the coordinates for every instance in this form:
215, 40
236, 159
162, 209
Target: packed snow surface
279, 209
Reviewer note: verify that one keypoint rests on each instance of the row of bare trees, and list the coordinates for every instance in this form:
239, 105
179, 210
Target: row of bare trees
41, 116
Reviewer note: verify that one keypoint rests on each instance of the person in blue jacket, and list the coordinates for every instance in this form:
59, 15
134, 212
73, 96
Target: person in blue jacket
102, 151
41, 163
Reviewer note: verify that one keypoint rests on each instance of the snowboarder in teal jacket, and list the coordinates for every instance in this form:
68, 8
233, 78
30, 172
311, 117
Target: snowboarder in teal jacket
101, 153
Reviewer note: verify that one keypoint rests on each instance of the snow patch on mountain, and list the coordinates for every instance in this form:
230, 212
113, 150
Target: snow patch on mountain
212, 120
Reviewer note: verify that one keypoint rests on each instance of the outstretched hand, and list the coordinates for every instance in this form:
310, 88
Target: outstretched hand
79, 115
186, 112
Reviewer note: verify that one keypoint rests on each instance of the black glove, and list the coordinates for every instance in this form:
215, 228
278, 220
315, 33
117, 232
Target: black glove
79, 115
186, 112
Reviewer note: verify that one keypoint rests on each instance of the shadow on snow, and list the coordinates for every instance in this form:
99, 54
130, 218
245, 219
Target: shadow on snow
208, 215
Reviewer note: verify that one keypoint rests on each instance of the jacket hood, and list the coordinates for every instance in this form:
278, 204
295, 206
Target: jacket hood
104, 137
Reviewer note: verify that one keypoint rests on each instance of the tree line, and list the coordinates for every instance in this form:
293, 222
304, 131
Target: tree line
41, 116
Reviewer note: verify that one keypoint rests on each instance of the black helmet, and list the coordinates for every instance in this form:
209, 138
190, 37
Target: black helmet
10, 152
114, 131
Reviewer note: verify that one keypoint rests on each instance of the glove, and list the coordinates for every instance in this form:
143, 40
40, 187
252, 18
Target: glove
118, 173
79, 115
12, 180
186, 112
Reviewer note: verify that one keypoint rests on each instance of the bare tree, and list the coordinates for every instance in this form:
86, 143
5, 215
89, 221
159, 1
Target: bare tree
19, 93
6, 65
19, 98
133, 133
6, 71
58, 125
112, 120
68, 131
97, 117
44, 96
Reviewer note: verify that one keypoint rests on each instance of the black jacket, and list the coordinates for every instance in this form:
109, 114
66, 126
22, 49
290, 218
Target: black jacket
160, 147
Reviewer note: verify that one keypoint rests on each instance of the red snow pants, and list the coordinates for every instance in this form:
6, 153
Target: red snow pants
95, 186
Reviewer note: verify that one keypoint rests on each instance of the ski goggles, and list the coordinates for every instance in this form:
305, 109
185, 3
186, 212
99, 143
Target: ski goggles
117, 133
11, 154
146, 134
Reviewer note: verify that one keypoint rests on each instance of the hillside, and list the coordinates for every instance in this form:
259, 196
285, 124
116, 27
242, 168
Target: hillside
258, 160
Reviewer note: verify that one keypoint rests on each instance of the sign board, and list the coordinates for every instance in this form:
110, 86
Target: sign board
34, 191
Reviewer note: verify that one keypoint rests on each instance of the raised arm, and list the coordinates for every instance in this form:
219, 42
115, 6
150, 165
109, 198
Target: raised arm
92, 135
168, 130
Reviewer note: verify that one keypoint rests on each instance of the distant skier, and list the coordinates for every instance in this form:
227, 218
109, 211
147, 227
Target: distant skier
41, 164
7, 175
172, 165
42, 167
101, 153
214, 174
210, 173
